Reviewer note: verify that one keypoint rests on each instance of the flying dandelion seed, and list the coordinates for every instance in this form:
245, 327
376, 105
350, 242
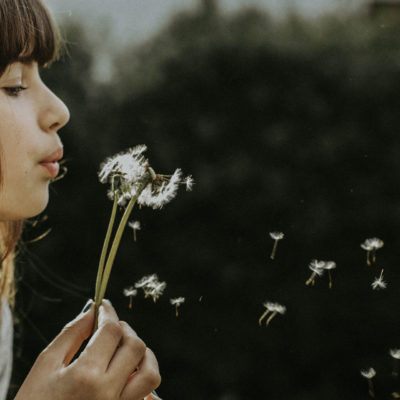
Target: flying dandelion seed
135, 225
177, 302
188, 182
395, 354
146, 280
276, 236
371, 246
379, 283
130, 292
317, 268
329, 265
369, 374
151, 286
274, 309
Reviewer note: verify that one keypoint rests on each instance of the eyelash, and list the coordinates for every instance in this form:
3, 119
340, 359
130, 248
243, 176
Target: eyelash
14, 90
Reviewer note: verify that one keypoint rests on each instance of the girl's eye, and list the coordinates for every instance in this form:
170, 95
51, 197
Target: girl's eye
14, 90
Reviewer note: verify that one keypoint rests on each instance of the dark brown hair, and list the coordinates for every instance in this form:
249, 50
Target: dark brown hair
27, 33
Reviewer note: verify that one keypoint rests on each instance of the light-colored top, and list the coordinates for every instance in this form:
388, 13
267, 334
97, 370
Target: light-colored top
6, 345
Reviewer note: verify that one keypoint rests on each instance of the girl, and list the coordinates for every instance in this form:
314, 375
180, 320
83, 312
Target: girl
115, 363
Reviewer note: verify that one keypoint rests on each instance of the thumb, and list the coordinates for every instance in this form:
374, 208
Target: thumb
70, 339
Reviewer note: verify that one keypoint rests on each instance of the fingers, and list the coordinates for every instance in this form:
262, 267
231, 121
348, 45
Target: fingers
63, 348
144, 381
128, 356
103, 344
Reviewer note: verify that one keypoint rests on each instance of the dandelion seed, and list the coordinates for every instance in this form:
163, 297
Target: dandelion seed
146, 280
135, 225
177, 302
155, 290
151, 286
379, 283
371, 246
276, 236
317, 268
329, 265
369, 374
130, 292
274, 309
188, 182
395, 354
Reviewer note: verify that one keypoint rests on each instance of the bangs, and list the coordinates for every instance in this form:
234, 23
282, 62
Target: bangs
27, 33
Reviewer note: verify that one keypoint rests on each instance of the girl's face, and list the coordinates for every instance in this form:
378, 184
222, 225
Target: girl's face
30, 116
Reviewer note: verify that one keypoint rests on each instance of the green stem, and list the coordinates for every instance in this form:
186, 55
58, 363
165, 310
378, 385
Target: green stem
117, 239
104, 252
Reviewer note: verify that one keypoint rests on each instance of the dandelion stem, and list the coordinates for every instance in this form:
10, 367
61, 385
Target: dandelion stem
130, 302
176, 311
262, 317
117, 239
272, 256
330, 279
104, 253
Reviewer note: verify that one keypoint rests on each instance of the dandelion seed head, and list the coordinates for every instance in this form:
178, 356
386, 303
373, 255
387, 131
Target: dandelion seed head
372, 244
177, 301
275, 307
161, 191
395, 353
135, 225
128, 166
130, 291
368, 373
277, 235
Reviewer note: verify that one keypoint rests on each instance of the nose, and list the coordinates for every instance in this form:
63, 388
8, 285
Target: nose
54, 114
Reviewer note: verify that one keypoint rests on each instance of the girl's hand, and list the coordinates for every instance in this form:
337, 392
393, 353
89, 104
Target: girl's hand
115, 363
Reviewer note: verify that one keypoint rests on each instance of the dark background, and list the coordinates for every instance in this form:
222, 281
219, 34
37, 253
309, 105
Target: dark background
289, 125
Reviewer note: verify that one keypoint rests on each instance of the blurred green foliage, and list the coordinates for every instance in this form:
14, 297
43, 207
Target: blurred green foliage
287, 125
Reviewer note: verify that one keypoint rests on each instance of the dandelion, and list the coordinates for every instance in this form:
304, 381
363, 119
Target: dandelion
329, 265
274, 309
132, 180
135, 225
177, 302
379, 283
130, 292
395, 354
317, 268
369, 374
371, 246
276, 236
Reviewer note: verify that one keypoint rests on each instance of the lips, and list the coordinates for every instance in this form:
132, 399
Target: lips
50, 163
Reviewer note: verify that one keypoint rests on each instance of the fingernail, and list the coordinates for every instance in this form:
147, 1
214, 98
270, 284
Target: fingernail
87, 306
